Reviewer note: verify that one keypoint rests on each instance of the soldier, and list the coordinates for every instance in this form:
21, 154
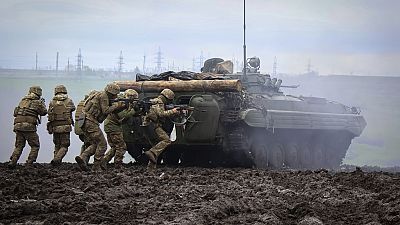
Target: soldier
157, 115
78, 131
135, 139
27, 116
113, 129
95, 111
60, 121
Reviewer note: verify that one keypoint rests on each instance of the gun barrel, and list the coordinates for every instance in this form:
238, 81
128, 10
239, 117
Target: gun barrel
183, 86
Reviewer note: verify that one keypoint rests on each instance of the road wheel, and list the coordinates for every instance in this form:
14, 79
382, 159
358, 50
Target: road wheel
276, 156
305, 156
318, 156
292, 155
259, 151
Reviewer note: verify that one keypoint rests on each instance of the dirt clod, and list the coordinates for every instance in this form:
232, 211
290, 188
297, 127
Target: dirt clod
187, 195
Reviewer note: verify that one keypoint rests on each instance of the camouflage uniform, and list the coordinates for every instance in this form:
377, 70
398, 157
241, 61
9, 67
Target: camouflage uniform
134, 139
60, 121
95, 111
26, 119
115, 138
157, 115
78, 131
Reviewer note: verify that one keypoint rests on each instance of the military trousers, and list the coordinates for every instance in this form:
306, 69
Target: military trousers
96, 139
164, 141
61, 143
118, 147
20, 141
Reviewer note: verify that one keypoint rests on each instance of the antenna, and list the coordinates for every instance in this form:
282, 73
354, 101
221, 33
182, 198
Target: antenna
244, 42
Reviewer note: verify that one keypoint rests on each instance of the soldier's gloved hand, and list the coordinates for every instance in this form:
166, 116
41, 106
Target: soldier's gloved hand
175, 110
136, 107
120, 104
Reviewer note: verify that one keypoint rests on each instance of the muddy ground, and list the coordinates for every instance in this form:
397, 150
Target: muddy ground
65, 195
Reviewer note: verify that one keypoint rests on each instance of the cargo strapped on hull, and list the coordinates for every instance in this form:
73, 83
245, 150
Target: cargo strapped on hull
182, 86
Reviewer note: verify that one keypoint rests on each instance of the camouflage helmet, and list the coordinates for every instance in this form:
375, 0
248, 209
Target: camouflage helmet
168, 93
112, 89
60, 89
130, 93
36, 90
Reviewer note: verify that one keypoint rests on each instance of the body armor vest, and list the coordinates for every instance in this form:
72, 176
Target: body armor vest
25, 112
92, 106
79, 109
59, 114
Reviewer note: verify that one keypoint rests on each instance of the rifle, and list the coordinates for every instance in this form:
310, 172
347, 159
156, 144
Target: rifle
39, 118
180, 107
145, 106
125, 100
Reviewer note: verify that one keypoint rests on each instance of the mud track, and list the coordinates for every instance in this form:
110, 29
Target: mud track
65, 195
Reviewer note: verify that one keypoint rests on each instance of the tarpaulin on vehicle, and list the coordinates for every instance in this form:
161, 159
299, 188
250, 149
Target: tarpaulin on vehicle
182, 75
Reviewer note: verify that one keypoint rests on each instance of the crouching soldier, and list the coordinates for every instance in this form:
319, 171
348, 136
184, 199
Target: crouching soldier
155, 118
113, 129
60, 121
27, 116
78, 131
95, 111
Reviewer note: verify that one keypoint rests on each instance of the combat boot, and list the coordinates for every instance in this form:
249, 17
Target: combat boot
118, 165
29, 163
151, 167
55, 162
150, 155
97, 166
82, 163
13, 163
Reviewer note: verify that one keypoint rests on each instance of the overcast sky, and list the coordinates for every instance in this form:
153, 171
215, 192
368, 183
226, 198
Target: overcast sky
339, 37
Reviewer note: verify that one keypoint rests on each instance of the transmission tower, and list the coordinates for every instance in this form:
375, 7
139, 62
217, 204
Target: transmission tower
120, 62
144, 64
274, 68
36, 61
68, 65
194, 64
309, 66
79, 62
57, 61
159, 59
201, 60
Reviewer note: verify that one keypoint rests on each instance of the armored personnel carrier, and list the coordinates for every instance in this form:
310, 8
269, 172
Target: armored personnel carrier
246, 120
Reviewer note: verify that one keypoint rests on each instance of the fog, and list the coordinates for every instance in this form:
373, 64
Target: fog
377, 97
355, 37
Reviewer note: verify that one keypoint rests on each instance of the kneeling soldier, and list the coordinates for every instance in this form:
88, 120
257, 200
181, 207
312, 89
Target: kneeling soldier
157, 116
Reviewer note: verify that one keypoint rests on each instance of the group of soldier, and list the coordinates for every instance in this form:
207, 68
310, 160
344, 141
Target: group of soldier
97, 107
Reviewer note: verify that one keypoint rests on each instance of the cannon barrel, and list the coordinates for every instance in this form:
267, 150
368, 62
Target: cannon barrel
183, 86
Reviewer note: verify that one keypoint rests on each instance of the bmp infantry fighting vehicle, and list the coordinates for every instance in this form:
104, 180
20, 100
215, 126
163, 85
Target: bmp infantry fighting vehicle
245, 120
